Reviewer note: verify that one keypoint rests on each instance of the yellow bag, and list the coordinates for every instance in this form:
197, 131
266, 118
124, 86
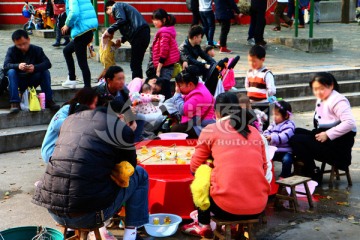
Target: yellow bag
200, 187
107, 54
177, 70
34, 103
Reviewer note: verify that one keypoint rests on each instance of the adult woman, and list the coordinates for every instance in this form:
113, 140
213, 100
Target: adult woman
81, 21
193, 101
84, 99
333, 137
239, 160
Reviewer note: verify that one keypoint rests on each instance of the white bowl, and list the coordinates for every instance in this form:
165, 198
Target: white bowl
162, 230
173, 136
300, 188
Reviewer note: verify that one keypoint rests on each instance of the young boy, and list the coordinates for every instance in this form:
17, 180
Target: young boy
259, 81
279, 13
210, 50
190, 51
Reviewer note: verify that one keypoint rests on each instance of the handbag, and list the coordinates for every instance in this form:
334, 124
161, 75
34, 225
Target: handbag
34, 103
24, 104
177, 70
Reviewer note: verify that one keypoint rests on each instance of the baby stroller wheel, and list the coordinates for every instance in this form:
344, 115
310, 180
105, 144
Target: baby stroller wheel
29, 26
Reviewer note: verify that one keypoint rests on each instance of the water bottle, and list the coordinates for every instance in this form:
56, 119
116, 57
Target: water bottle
42, 100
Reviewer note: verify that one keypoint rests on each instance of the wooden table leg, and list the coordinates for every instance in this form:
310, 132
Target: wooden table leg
293, 194
308, 194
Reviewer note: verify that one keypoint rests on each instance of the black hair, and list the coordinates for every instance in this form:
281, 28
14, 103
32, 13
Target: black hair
244, 99
19, 34
208, 48
160, 14
257, 51
284, 108
145, 87
190, 74
228, 104
108, 4
326, 79
110, 73
84, 96
195, 31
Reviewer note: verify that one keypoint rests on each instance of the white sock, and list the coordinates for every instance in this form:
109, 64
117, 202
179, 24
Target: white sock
129, 234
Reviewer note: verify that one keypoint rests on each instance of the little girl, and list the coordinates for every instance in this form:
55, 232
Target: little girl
165, 51
279, 133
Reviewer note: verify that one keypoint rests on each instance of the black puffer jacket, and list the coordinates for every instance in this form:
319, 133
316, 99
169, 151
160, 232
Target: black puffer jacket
128, 20
190, 54
77, 178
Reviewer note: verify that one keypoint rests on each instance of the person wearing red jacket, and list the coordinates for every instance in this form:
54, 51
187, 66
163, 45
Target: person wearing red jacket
165, 51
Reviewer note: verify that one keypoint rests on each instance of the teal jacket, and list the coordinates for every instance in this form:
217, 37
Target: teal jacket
81, 17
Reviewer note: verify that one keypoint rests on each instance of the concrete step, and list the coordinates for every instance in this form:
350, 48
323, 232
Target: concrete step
303, 89
23, 119
19, 138
303, 104
305, 77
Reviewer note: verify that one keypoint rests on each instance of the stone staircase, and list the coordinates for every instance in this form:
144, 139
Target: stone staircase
27, 129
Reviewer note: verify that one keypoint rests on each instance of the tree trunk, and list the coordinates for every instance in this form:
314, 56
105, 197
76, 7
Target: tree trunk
345, 11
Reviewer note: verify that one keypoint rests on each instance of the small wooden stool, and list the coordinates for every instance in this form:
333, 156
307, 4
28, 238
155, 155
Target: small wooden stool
249, 224
334, 172
81, 233
292, 182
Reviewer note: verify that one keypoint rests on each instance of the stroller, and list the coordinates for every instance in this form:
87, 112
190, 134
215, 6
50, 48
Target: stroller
37, 18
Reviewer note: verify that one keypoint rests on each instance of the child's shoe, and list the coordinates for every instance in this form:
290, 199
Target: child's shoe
196, 230
225, 50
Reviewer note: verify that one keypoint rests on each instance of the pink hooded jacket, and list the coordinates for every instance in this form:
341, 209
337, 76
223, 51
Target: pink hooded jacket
164, 48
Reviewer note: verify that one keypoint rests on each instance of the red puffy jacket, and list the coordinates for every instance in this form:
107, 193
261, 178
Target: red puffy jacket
164, 48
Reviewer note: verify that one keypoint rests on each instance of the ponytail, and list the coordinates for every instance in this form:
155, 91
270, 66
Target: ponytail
161, 14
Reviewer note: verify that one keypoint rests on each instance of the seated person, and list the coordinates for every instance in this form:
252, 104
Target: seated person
193, 101
190, 51
244, 143
82, 185
27, 66
114, 87
156, 85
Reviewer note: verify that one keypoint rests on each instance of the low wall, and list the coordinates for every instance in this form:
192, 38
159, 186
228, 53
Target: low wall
330, 11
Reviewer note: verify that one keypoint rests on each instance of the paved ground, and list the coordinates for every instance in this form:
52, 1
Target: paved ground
279, 58
20, 170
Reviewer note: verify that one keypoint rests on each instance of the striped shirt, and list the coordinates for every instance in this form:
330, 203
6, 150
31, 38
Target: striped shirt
260, 85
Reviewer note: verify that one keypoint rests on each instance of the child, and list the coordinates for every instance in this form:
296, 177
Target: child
107, 51
279, 133
261, 117
335, 128
210, 50
259, 81
165, 52
279, 13
208, 20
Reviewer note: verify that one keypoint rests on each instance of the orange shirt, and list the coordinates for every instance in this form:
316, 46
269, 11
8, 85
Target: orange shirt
238, 183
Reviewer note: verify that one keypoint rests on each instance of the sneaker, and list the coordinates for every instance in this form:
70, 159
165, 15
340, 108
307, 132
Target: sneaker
276, 29
196, 230
56, 44
217, 43
251, 42
14, 107
69, 83
52, 105
225, 50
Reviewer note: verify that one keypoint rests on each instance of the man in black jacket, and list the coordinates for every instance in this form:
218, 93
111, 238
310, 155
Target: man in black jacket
190, 51
26, 66
79, 188
133, 29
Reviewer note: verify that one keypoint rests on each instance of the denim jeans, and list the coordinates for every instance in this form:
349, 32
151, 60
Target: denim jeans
287, 161
58, 33
135, 196
79, 46
208, 22
166, 74
22, 81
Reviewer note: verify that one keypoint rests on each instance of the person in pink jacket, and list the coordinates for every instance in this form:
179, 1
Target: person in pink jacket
193, 101
165, 51
335, 128
238, 187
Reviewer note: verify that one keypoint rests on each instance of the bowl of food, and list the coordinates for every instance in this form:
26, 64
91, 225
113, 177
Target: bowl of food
162, 224
173, 136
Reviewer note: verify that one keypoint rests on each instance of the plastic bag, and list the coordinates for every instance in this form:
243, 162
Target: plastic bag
177, 70
34, 103
24, 104
219, 88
